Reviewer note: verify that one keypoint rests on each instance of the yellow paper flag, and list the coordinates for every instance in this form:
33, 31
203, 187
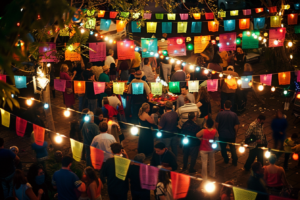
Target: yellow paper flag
118, 87
200, 43
181, 27
5, 118
122, 165
76, 148
243, 194
151, 27
156, 88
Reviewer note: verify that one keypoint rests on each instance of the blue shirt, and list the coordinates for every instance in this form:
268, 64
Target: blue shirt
41, 151
66, 182
227, 120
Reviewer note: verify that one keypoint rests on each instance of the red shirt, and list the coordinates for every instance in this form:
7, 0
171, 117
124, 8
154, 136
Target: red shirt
208, 135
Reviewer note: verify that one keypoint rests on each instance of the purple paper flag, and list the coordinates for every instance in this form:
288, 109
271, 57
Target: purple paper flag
228, 41
20, 126
148, 177
212, 85
3, 78
266, 79
99, 87
99, 51
60, 85
48, 52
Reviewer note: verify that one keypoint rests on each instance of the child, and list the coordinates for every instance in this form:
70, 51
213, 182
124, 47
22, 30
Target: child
288, 144
155, 114
15, 150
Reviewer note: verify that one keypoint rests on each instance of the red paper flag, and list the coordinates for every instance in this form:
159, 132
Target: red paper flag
99, 87
271, 197
148, 176
277, 37
3, 78
259, 10
227, 41
99, 51
266, 79
176, 46
292, 19
125, 50
180, 185
60, 85
39, 134
97, 157
209, 15
21, 125
112, 14
272, 9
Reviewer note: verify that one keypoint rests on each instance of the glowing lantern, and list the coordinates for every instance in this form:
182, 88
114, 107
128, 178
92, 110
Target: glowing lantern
151, 27
244, 23
284, 78
275, 21
259, 10
101, 13
272, 9
222, 14
113, 14
196, 16
295, 156
292, 19
286, 7
213, 26
171, 16
147, 15
213, 41
234, 13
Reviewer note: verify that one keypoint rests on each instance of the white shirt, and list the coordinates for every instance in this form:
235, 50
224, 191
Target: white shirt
97, 71
113, 101
109, 60
147, 69
103, 142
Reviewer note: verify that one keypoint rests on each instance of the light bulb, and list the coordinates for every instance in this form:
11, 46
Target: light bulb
12, 95
67, 113
291, 56
268, 154
134, 130
242, 149
156, 55
96, 34
106, 38
295, 156
185, 140
276, 42
273, 89
46, 105
159, 134
136, 49
290, 44
48, 64
285, 92
178, 62
239, 82
110, 41
214, 145
192, 67
91, 32
197, 69
82, 30
255, 36
87, 118
205, 71
29, 101
264, 40
260, 87
220, 75
298, 96
151, 53
259, 38
172, 60
250, 83
210, 187
229, 77
183, 64
248, 33
58, 139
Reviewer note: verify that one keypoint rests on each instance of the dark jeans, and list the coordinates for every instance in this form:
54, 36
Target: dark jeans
228, 96
286, 160
190, 151
113, 196
140, 195
253, 153
232, 150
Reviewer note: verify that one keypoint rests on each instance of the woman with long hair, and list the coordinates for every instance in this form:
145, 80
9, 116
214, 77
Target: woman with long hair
164, 186
69, 98
146, 142
22, 189
36, 178
94, 184
226, 192
202, 99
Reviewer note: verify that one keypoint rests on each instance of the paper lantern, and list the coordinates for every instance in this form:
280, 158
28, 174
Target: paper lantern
137, 88
201, 43
250, 42
181, 27
147, 15
105, 24
90, 23
79, 87
174, 87
259, 23
245, 81
266, 79
156, 88
48, 52
297, 6
20, 82
209, 15
193, 86
292, 19
150, 45
151, 27
222, 14
99, 51
228, 42
3, 78
259, 10
124, 50
272, 9
234, 13
247, 12
159, 16
118, 88
196, 27
113, 14
244, 24
166, 27
297, 29
176, 46
124, 14
197, 16
275, 21
135, 28
286, 7
212, 85
120, 25
171, 16
72, 52
184, 16
284, 78
278, 35
213, 26
101, 13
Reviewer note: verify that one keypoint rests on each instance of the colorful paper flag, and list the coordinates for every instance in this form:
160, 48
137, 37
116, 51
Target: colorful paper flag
212, 85
137, 88
174, 87
292, 19
3, 78
125, 50
124, 14
64, 32
79, 87
20, 82
97, 157
234, 13
272, 9
298, 76
228, 41
259, 10
193, 86
213, 26
181, 27
249, 41
39, 134
184, 16
166, 27
176, 46
209, 15
149, 47
271, 197
120, 25
196, 27
147, 15
71, 54
48, 52
229, 25
297, 6
135, 28
222, 14
113, 14
101, 13
275, 21
118, 87
156, 88
244, 23
297, 28
105, 24
148, 176
259, 23
171, 16
60, 85
151, 27
245, 81
159, 15
90, 23
98, 52
277, 34
76, 148
284, 78
21, 125
266, 79
180, 185
121, 167
99, 87
5, 118
243, 194
247, 12
200, 43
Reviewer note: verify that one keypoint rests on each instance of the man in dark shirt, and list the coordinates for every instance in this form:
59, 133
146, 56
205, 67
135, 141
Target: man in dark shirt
192, 148
90, 93
117, 188
162, 157
227, 124
7, 169
256, 182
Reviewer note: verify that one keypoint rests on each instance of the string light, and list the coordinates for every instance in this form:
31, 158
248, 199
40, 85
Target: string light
259, 38
264, 40
46, 105
229, 77
48, 64
268, 153
18, 24
285, 92
156, 55
91, 32
248, 33
29, 101
86, 118
178, 62
291, 56
298, 96
295, 156
242, 149
210, 187
82, 30
134, 130
239, 82
192, 67
290, 44
185, 140
220, 75
106, 38
197, 69
158, 134
12, 96
250, 83
67, 113
183, 64
273, 89
172, 60
136, 49
58, 139
205, 71
96, 34
261, 87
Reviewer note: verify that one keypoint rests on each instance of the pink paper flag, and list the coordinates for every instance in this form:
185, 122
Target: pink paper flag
60, 85
99, 51
180, 185
277, 37
212, 85
176, 46
125, 50
266, 79
97, 157
209, 15
247, 12
21, 125
3, 78
39, 134
298, 76
228, 41
47, 52
184, 16
148, 176
99, 87
147, 15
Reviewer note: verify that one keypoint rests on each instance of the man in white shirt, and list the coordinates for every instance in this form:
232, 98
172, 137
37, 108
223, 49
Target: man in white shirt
147, 69
110, 58
184, 93
113, 101
103, 141
183, 111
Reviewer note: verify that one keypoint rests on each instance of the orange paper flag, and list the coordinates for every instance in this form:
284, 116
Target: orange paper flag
120, 25
39, 134
284, 78
71, 52
213, 26
97, 157
79, 87
244, 23
180, 185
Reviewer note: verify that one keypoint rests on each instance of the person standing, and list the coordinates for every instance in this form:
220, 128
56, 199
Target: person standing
94, 184
190, 128
90, 94
227, 124
124, 69
36, 178
184, 111
147, 69
279, 125
111, 63
69, 98
240, 60
184, 93
256, 130
163, 158
202, 99
256, 181
164, 186
166, 68
179, 75
104, 78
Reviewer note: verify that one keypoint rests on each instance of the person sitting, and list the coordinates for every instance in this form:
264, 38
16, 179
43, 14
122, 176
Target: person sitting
94, 184
164, 186
36, 178
108, 110
184, 111
256, 181
163, 158
184, 93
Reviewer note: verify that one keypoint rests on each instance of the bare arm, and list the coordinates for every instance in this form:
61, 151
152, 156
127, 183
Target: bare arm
149, 119
29, 192
200, 133
82, 187
93, 189
217, 134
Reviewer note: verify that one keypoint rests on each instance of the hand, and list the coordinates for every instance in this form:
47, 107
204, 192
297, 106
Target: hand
41, 191
74, 73
199, 104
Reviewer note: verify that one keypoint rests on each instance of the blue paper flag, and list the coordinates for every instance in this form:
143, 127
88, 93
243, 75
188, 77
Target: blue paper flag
259, 23
166, 27
229, 25
105, 24
245, 81
149, 47
137, 88
196, 27
20, 82
134, 27
297, 6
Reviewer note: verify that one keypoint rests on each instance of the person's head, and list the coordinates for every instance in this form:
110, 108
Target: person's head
184, 90
139, 157
105, 69
169, 105
261, 119
64, 68
1, 143
192, 116
294, 136
66, 162
105, 101
19, 179
230, 68
257, 168
14, 149
91, 115
138, 74
163, 177
116, 148
99, 113
91, 76
110, 52
247, 67
103, 127
84, 112
279, 114
202, 94
227, 190
186, 100
155, 109
209, 122
177, 67
132, 71
88, 66
239, 50
91, 175
146, 61
36, 174
272, 159
144, 108
227, 105
160, 148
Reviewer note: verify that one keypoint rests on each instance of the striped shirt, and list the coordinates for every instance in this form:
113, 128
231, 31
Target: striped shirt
183, 112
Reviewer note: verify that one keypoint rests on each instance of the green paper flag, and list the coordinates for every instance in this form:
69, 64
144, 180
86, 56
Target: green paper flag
250, 41
156, 88
124, 14
159, 15
243, 194
121, 167
76, 148
174, 87
181, 27
297, 29
5, 118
